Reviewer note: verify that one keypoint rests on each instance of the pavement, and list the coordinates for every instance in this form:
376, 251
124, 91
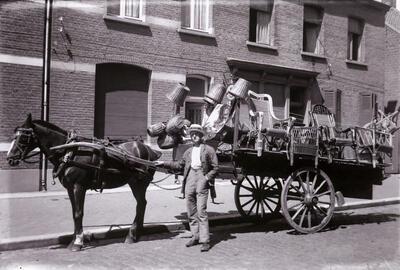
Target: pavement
37, 219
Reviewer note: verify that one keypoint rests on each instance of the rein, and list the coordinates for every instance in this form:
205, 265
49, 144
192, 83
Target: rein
29, 156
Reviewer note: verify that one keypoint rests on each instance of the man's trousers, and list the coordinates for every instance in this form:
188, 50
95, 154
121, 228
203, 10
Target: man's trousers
196, 192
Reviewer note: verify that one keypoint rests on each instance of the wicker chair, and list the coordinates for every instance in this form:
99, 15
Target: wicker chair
372, 145
385, 122
332, 139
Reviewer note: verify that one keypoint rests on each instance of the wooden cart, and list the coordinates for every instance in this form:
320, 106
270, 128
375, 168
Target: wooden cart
278, 166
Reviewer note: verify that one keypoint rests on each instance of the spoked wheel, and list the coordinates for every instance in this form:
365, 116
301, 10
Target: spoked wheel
257, 195
308, 200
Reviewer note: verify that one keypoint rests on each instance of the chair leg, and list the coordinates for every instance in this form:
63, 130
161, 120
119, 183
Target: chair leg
373, 160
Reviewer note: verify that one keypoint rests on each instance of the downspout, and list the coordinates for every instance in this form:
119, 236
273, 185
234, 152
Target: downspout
45, 87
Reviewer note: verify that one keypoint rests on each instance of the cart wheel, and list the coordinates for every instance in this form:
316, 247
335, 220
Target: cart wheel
257, 195
308, 200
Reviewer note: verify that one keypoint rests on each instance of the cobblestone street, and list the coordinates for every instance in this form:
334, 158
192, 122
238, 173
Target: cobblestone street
356, 239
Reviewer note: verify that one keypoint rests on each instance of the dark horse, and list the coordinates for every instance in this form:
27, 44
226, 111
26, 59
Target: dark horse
77, 179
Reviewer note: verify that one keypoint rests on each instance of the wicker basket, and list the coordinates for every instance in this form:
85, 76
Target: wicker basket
156, 129
178, 95
304, 141
166, 141
240, 88
175, 124
216, 94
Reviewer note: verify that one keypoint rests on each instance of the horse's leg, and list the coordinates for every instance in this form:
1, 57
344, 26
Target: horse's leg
71, 196
138, 187
79, 193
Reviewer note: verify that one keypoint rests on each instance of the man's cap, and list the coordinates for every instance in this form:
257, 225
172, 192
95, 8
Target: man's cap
196, 128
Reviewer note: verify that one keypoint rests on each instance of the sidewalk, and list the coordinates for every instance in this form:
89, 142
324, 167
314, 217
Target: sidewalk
33, 217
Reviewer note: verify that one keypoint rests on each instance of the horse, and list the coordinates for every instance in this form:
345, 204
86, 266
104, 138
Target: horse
78, 179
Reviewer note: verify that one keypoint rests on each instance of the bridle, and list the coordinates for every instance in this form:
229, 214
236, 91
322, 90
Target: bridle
24, 137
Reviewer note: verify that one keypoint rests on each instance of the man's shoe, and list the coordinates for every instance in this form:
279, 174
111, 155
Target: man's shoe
205, 247
192, 243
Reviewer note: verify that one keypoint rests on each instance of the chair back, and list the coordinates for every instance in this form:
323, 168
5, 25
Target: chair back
262, 104
364, 137
322, 117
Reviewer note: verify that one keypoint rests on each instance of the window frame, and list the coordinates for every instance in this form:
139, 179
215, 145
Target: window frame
208, 17
141, 16
253, 18
350, 41
206, 87
195, 99
319, 46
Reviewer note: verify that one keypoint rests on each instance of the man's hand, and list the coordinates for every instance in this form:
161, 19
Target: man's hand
159, 163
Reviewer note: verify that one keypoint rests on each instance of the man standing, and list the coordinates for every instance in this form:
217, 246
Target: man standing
200, 165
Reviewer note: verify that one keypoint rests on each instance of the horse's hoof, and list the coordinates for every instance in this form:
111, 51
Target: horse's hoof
76, 248
130, 240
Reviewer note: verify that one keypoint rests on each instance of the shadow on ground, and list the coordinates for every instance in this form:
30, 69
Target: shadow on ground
224, 228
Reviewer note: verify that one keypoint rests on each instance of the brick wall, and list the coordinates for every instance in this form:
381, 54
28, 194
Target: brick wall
89, 39
392, 81
392, 68
21, 28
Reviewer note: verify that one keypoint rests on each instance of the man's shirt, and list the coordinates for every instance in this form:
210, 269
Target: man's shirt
196, 162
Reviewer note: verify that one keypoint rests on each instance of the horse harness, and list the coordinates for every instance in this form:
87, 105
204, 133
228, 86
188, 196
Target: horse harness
98, 157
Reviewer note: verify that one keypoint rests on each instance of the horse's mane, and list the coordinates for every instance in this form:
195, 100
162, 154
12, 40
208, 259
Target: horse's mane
50, 126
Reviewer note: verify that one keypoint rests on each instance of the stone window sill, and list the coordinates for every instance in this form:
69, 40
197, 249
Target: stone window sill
356, 63
125, 20
260, 45
195, 33
313, 55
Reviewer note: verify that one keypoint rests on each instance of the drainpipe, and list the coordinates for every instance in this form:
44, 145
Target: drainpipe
45, 87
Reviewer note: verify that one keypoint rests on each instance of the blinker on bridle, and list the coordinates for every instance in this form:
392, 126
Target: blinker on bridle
25, 135
23, 138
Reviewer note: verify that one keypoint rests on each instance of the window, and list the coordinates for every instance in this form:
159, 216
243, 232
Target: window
355, 32
197, 15
198, 86
312, 30
298, 103
132, 9
260, 22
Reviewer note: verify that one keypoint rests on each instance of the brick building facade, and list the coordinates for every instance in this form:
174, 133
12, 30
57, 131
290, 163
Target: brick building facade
392, 72
110, 63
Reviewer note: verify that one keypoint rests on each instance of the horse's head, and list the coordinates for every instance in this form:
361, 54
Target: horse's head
23, 143
33, 134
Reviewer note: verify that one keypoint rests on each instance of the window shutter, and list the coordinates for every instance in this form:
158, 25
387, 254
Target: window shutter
185, 13
338, 111
113, 7
366, 108
330, 101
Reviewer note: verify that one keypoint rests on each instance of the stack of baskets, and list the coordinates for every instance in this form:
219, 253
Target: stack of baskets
169, 133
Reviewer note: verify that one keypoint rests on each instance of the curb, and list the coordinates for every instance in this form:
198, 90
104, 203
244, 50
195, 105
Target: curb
366, 204
121, 231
